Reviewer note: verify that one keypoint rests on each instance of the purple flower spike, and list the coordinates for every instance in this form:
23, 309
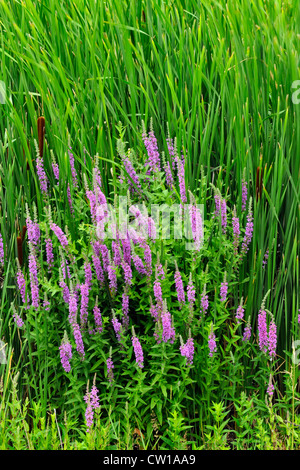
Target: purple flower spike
187, 350
262, 331
223, 291
65, 351
212, 345
139, 357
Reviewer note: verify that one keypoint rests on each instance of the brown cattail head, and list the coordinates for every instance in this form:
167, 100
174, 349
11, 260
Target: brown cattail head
24, 230
41, 134
20, 250
259, 182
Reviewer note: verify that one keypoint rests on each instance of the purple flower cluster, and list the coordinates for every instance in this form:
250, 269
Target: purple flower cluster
217, 198
74, 324
17, 319
179, 287
60, 234
112, 277
204, 302
42, 174
110, 366
197, 225
33, 232
187, 350
244, 194
125, 310
55, 169
223, 215
181, 180
33, 276
265, 259
127, 273
117, 327
272, 339
236, 232
72, 165
223, 291
240, 312
248, 232
168, 331
49, 253
262, 331
158, 294
153, 161
98, 319
65, 351
139, 357
212, 345
271, 388
133, 180
22, 287
247, 333
70, 199
169, 176
92, 400
191, 292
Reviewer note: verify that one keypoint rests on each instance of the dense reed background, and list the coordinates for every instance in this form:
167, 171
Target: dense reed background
217, 75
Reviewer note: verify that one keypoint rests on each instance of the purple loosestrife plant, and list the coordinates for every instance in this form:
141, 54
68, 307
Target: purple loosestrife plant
55, 169
21, 283
155, 314
92, 401
150, 142
110, 366
125, 310
262, 331
168, 331
271, 388
117, 327
97, 317
158, 294
191, 291
247, 333
49, 254
72, 166
17, 319
187, 350
84, 290
272, 338
217, 198
212, 345
204, 301
248, 230
244, 194
112, 277
60, 234
224, 290
236, 231
65, 351
41, 171
127, 273
223, 216
181, 180
179, 286
139, 357
169, 176
240, 312
33, 276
